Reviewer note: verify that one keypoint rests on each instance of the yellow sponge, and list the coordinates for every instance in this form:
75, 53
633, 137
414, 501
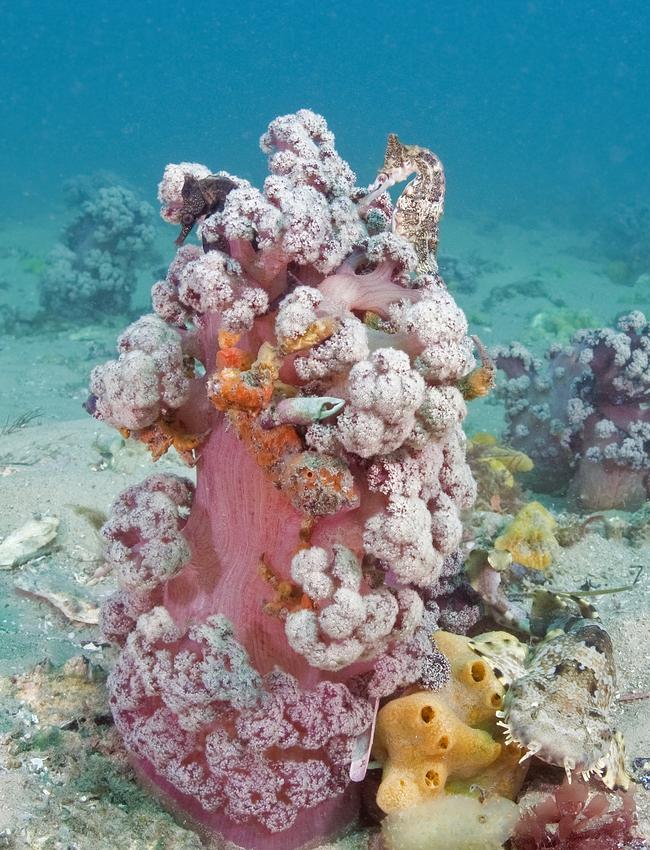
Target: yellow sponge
428, 741
530, 537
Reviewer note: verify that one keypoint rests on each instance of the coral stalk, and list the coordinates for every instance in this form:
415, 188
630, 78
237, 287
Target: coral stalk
263, 615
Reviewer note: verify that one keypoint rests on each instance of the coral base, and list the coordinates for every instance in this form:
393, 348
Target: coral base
328, 821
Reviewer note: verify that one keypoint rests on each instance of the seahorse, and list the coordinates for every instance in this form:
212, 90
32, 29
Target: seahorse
419, 208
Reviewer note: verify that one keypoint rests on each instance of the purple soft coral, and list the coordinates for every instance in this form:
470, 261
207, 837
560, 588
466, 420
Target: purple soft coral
93, 269
585, 420
298, 360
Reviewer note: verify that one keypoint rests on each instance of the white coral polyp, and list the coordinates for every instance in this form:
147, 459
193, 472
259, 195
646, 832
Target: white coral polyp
433, 319
346, 612
384, 393
349, 623
445, 361
248, 215
446, 527
297, 312
150, 374
401, 538
443, 408
347, 346
301, 148
206, 284
213, 283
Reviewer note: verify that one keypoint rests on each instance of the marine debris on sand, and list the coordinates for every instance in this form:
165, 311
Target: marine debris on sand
75, 608
32, 540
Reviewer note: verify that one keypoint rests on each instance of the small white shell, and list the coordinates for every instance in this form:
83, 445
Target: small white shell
28, 541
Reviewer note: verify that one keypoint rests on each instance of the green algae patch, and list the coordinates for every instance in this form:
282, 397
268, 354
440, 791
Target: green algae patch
42, 739
101, 778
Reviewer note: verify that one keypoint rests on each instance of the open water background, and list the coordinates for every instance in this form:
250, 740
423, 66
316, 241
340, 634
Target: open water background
536, 108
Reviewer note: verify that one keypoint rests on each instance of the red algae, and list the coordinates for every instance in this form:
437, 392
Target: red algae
576, 816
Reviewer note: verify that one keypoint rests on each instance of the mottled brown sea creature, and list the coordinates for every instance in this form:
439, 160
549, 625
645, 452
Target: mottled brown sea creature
560, 693
480, 381
420, 206
200, 198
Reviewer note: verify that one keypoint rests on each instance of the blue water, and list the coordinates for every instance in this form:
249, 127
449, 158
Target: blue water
533, 106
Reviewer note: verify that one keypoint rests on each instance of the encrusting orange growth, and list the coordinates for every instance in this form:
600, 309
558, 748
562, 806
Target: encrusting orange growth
530, 537
241, 390
316, 484
161, 436
229, 356
252, 389
288, 596
447, 739
321, 483
318, 331
480, 381
269, 447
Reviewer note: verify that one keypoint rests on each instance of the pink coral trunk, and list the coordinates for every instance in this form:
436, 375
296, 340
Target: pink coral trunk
238, 518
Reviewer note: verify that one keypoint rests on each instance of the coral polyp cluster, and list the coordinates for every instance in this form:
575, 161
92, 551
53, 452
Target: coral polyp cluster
584, 419
93, 268
308, 359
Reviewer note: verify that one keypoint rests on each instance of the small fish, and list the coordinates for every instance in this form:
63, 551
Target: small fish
301, 410
489, 451
483, 438
507, 458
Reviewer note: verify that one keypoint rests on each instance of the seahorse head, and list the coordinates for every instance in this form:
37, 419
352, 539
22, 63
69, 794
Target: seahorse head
400, 160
